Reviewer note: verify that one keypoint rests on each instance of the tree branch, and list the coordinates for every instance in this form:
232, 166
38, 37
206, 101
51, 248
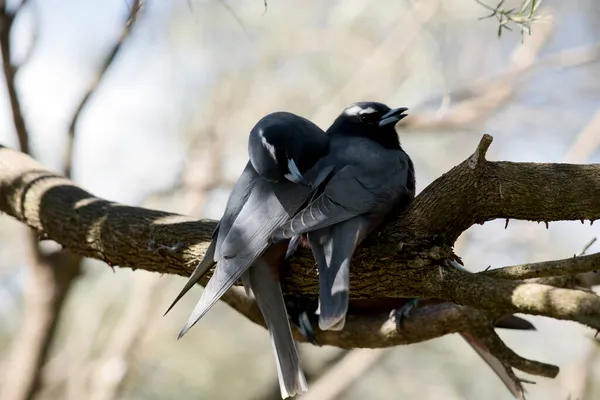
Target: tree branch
478, 190
567, 266
162, 242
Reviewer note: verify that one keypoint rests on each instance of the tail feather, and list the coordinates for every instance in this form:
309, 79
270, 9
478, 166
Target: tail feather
222, 280
333, 248
267, 291
201, 270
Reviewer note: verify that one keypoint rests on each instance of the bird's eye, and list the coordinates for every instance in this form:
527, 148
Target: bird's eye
367, 117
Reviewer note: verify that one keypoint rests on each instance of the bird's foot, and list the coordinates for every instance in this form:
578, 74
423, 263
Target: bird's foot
399, 315
304, 320
305, 327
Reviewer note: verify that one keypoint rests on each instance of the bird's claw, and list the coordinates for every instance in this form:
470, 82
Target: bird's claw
300, 316
399, 315
306, 329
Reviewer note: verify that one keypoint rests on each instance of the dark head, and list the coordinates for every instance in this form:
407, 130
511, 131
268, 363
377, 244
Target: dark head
283, 145
371, 120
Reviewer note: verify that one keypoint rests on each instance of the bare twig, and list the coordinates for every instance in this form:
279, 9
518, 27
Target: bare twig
587, 247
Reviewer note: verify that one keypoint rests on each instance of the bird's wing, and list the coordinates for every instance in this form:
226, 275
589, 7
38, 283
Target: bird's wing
237, 199
267, 291
514, 386
352, 191
333, 248
268, 206
239, 194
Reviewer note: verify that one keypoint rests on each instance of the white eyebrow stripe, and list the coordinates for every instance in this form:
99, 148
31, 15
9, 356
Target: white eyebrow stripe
270, 148
354, 110
358, 110
368, 110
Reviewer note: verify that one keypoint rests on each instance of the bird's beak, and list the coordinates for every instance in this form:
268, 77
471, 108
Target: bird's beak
393, 116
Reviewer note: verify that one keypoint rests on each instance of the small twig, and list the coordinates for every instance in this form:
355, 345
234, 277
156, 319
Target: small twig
587, 246
478, 157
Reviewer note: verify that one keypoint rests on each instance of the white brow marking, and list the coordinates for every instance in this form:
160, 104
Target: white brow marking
354, 110
368, 110
357, 110
270, 148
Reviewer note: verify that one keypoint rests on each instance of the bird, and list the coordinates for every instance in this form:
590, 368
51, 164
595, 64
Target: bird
336, 222
372, 175
276, 182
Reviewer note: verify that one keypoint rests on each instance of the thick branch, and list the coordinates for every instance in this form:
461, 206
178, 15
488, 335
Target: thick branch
120, 235
167, 243
514, 297
138, 238
474, 193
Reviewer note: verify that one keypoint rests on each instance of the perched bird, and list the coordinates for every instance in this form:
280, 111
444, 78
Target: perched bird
283, 149
372, 175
